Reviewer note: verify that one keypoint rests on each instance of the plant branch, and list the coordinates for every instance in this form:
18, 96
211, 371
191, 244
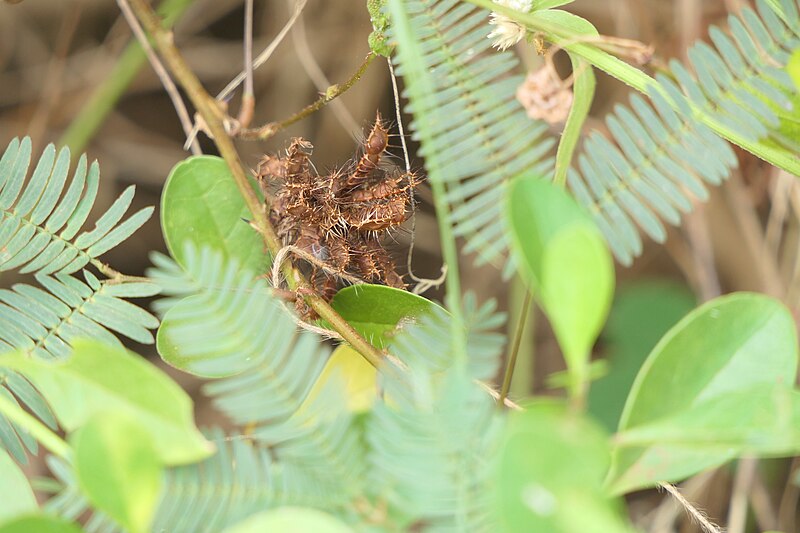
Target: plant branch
248, 95
213, 116
334, 91
34, 427
161, 72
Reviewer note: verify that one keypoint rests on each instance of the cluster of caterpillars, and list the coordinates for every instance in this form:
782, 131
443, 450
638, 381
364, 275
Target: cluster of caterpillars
339, 218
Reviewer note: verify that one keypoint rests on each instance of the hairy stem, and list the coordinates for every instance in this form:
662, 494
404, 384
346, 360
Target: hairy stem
34, 427
212, 115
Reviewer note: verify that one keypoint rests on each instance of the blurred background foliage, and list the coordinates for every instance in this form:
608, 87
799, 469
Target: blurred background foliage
54, 56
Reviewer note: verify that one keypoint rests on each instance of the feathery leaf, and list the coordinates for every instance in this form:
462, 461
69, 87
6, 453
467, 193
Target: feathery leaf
37, 230
474, 134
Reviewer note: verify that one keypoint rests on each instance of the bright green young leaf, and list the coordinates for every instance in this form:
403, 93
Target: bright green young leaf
727, 346
763, 420
376, 310
17, 495
794, 68
563, 256
642, 313
39, 523
201, 203
356, 374
294, 519
118, 469
99, 378
551, 471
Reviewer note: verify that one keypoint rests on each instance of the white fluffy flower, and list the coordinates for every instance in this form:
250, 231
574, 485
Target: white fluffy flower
508, 32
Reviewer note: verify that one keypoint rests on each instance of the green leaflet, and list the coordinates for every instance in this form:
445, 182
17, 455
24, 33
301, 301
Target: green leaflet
40, 219
376, 311
563, 257
551, 461
728, 346
99, 378
119, 469
201, 204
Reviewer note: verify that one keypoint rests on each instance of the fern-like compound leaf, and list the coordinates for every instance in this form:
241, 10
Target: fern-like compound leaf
474, 134
232, 329
43, 320
40, 220
430, 439
661, 156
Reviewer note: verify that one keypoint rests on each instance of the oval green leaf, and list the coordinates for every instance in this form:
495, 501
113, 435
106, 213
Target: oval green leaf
294, 519
567, 264
18, 498
727, 346
763, 420
118, 469
202, 204
551, 471
376, 310
98, 378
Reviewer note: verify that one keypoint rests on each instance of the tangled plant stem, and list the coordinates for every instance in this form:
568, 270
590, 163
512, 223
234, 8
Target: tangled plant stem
208, 108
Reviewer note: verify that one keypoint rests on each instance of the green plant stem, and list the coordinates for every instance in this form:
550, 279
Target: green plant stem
34, 427
577, 44
512, 354
447, 238
104, 98
334, 91
213, 116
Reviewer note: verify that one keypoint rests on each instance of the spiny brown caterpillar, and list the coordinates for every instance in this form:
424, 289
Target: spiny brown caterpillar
340, 217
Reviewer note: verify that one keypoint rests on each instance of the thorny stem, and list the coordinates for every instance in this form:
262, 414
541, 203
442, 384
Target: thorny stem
512, 354
212, 115
334, 91
34, 427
